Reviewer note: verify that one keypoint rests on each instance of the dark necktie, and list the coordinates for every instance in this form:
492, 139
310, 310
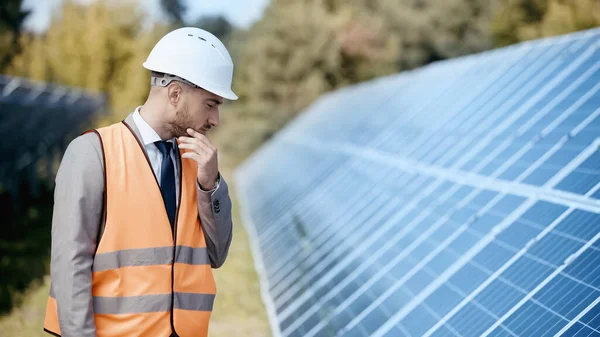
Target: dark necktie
167, 179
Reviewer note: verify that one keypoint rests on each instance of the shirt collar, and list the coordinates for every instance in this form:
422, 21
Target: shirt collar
147, 133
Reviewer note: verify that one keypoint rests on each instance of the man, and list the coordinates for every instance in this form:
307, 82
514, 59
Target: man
141, 213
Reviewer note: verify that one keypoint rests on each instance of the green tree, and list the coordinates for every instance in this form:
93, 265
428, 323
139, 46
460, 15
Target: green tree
303, 48
521, 20
99, 46
12, 17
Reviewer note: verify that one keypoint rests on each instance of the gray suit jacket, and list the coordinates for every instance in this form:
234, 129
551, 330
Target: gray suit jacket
78, 221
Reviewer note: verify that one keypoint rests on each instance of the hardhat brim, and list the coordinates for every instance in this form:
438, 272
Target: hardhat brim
227, 94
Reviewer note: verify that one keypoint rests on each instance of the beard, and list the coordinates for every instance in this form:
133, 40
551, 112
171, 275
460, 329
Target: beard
179, 126
183, 121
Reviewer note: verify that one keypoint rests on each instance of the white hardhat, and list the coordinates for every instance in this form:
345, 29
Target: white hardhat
196, 56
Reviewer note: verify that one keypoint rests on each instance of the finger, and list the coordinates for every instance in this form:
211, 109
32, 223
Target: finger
203, 138
188, 139
194, 133
199, 141
194, 147
194, 156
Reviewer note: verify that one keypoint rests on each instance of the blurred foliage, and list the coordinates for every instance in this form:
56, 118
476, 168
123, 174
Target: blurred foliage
216, 24
25, 241
521, 20
11, 22
100, 46
175, 10
303, 48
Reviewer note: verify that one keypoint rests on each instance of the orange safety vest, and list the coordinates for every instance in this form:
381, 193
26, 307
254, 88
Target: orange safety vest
143, 282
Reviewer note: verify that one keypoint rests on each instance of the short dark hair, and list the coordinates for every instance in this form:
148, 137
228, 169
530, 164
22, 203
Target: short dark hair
157, 74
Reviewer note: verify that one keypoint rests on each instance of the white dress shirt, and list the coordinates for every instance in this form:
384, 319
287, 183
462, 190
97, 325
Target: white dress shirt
149, 136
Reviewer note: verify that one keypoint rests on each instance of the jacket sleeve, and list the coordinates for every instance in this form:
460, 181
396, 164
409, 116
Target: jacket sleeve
214, 209
78, 207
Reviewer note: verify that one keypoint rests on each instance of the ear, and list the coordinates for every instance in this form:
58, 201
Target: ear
174, 90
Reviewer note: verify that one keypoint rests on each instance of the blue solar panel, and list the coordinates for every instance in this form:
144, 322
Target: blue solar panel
47, 114
458, 199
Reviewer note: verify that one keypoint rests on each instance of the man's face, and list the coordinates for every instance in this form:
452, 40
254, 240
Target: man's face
198, 109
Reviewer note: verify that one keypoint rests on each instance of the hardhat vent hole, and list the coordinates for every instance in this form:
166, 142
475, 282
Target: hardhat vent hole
203, 39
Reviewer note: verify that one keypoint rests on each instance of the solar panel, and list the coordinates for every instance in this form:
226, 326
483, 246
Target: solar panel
35, 120
457, 199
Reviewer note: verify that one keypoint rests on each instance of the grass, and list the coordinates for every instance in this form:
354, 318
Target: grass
28, 318
238, 309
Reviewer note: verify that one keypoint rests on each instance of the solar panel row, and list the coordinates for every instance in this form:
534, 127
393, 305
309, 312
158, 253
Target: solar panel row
459, 199
35, 119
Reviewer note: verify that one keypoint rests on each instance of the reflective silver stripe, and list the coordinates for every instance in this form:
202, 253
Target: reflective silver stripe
133, 257
191, 301
152, 303
149, 257
189, 255
132, 304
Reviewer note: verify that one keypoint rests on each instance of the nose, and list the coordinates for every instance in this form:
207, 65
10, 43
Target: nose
213, 118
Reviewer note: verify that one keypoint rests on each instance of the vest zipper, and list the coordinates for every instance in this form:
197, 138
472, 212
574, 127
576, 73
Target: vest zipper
175, 244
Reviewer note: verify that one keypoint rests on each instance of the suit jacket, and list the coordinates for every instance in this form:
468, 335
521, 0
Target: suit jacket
78, 222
